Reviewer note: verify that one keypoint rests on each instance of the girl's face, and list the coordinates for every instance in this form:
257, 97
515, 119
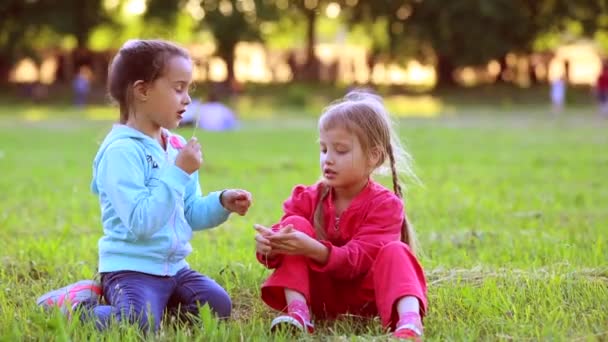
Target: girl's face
343, 162
168, 96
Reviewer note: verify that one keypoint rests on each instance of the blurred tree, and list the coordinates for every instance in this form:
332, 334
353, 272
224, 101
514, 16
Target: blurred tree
77, 19
470, 32
590, 14
473, 32
229, 21
165, 11
23, 22
309, 11
386, 23
552, 22
20, 21
393, 16
74, 17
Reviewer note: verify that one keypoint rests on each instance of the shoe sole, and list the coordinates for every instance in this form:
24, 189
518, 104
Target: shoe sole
291, 324
284, 323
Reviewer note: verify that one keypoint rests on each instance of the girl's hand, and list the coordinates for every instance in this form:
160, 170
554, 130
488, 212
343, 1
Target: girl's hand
262, 245
237, 201
293, 242
190, 157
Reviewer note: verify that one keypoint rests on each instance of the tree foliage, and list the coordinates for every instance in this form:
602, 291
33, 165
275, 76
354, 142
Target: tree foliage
450, 33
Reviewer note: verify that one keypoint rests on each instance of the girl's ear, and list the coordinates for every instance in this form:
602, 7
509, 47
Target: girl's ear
375, 156
140, 91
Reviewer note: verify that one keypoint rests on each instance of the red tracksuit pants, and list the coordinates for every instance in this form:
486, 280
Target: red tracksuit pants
395, 273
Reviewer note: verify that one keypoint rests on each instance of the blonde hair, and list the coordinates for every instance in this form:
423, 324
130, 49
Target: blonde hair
364, 115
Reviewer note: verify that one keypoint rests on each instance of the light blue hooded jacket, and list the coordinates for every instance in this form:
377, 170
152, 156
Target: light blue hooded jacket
149, 206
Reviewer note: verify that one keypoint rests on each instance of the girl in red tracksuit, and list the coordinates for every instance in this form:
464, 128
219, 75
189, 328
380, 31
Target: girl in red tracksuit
345, 244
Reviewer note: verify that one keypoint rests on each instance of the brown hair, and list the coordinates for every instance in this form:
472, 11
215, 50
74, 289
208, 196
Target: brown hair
364, 115
136, 60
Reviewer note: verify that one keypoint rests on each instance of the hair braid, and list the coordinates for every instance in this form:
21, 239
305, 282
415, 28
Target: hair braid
318, 215
396, 185
407, 232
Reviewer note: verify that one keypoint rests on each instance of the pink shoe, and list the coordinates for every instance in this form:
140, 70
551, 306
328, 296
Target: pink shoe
408, 334
68, 297
409, 328
291, 321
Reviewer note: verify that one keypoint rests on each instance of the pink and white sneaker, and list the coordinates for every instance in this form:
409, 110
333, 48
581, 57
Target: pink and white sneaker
68, 297
408, 333
292, 321
409, 327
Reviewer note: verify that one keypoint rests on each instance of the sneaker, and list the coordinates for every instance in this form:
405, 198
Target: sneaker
409, 333
293, 322
68, 297
409, 328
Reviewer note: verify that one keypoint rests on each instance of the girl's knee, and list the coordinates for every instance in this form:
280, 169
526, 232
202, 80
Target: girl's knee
221, 304
392, 248
395, 245
299, 223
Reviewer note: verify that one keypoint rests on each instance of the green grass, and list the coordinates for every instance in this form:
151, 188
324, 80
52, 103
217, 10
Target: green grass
512, 221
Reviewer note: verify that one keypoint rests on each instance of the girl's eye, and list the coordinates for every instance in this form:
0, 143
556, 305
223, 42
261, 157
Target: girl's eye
342, 151
180, 88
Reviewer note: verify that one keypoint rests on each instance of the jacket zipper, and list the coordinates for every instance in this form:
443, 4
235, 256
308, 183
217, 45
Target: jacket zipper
174, 242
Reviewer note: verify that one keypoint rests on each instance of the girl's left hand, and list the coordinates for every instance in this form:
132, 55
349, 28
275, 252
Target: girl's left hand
236, 201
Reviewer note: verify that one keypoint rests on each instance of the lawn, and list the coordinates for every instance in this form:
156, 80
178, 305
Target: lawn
511, 216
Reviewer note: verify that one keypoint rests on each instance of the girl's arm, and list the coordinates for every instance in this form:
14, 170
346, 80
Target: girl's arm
381, 226
143, 210
300, 203
203, 212
319, 253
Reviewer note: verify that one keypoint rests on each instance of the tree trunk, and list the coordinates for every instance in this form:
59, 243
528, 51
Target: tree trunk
311, 69
68, 66
226, 52
533, 62
370, 60
445, 72
5, 68
503, 68
229, 58
81, 40
567, 71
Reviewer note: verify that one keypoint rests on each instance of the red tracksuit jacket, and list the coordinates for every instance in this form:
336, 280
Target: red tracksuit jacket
373, 219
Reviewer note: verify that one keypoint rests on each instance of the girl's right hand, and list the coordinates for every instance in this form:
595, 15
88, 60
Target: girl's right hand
190, 157
262, 245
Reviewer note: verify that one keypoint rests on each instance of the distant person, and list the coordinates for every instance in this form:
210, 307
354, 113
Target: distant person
81, 87
211, 116
558, 94
601, 90
151, 203
344, 244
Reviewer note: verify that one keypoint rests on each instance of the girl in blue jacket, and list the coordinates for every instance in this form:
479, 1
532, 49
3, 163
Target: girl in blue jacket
147, 182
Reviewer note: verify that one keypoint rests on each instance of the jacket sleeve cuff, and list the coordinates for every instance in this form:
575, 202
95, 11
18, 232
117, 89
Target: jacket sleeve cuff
218, 209
335, 259
176, 178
